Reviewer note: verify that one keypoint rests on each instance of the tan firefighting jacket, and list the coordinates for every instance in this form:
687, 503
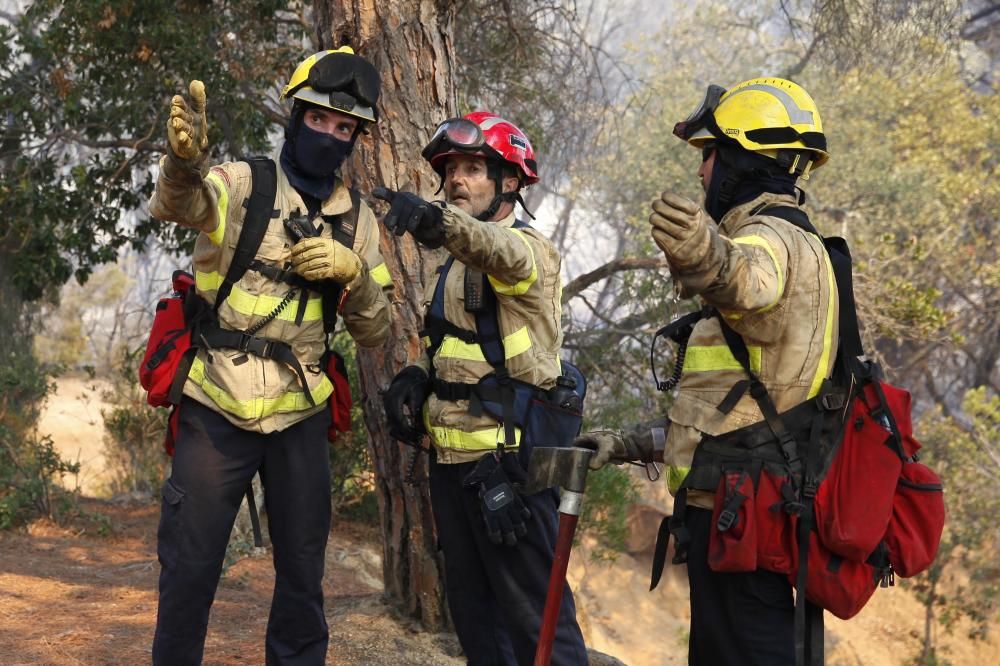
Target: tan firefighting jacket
775, 286
264, 395
523, 267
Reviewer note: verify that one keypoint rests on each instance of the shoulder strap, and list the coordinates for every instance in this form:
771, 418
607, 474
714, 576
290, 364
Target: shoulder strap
840, 258
260, 205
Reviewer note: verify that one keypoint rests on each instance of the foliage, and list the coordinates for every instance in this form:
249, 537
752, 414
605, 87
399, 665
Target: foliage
353, 489
133, 442
609, 493
29, 462
79, 136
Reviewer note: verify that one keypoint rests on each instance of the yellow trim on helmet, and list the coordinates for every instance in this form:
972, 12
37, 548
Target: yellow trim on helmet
307, 94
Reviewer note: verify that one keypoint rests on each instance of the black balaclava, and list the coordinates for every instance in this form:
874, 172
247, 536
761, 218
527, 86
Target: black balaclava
739, 176
310, 158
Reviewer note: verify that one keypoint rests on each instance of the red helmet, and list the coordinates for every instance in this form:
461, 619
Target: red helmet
482, 133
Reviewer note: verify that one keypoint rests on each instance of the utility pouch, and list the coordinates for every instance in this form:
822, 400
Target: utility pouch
839, 585
914, 532
776, 522
732, 544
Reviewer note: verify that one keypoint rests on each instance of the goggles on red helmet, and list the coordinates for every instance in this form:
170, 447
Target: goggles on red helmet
458, 134
703, 116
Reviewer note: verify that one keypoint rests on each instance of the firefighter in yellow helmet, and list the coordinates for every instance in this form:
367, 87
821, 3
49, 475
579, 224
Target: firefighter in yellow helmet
257, 393
765, 284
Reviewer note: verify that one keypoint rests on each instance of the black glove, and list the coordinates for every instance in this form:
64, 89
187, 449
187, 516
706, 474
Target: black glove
503, 509
408, 389
408, 212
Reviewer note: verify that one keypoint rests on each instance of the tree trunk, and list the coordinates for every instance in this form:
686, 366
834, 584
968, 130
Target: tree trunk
410, 43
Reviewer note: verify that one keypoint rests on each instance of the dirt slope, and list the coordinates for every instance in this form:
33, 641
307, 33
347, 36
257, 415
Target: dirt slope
72, 596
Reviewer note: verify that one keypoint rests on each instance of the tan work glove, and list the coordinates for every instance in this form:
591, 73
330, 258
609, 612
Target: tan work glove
645, 444
187, 127
680, 229
325, 259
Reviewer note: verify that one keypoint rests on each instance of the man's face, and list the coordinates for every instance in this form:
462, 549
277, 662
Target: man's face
328, 121
707, 164
466, 183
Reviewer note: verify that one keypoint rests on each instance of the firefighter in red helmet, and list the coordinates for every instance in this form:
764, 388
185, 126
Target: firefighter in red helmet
493, 334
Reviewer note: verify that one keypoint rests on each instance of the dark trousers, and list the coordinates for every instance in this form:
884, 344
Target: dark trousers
496, 593
736, 618
213, 465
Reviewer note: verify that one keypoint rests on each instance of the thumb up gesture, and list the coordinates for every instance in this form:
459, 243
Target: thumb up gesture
187, 127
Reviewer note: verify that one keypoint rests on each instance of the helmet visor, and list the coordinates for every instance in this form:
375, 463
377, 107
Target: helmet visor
347, 73
457, 134
701, 116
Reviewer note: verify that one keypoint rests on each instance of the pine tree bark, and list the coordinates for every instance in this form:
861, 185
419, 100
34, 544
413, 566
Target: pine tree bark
410, 43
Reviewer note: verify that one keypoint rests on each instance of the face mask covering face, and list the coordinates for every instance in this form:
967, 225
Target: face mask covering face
319, 155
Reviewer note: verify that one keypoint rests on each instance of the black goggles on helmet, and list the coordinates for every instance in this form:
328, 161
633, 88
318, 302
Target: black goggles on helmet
345, 73
704, 115
460, 134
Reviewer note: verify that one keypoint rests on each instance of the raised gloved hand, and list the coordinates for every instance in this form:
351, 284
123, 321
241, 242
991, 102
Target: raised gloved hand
325, 259
503, 509
408, 212
187, 127
408, 389
680, 228
614, 446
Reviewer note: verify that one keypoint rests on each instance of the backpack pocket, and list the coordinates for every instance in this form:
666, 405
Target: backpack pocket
732, 545
837, 584
914, 532
854, 502
775, 526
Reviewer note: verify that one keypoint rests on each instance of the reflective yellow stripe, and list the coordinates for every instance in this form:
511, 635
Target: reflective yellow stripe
675, 477
478, 440
760, 241
823, 368
516, 343
427, 340
292, 401
246, 303
381, 275
718, 357
222, 208
522, 286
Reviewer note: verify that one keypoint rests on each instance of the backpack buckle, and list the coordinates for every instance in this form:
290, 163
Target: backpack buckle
831, 402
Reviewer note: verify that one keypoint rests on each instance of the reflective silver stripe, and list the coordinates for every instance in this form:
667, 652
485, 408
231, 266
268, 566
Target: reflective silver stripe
796, 115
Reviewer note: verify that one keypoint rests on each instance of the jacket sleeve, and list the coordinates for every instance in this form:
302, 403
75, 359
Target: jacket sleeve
366, 309
506, 255
185, 197
746, 273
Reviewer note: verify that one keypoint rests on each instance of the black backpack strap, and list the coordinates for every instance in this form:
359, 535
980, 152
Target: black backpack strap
840, 259
260, 208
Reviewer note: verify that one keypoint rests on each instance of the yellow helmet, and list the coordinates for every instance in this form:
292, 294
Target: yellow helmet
772, 117
338, 80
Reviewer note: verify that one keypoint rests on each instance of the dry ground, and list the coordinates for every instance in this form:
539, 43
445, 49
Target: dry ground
70, 595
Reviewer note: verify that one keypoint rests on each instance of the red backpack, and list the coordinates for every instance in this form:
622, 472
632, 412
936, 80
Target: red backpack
829, 493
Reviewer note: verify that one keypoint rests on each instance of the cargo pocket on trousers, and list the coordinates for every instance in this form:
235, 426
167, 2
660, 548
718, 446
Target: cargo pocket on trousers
169, 533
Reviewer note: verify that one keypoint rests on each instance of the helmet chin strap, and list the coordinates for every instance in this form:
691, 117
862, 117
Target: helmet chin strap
494, 171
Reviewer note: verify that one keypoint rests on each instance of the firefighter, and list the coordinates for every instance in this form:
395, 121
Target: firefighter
772, 283
502, 275
256, 396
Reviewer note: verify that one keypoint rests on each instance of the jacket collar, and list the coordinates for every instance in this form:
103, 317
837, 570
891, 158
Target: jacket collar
737, 216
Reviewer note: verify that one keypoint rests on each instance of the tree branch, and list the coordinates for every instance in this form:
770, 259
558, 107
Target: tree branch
581, 282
